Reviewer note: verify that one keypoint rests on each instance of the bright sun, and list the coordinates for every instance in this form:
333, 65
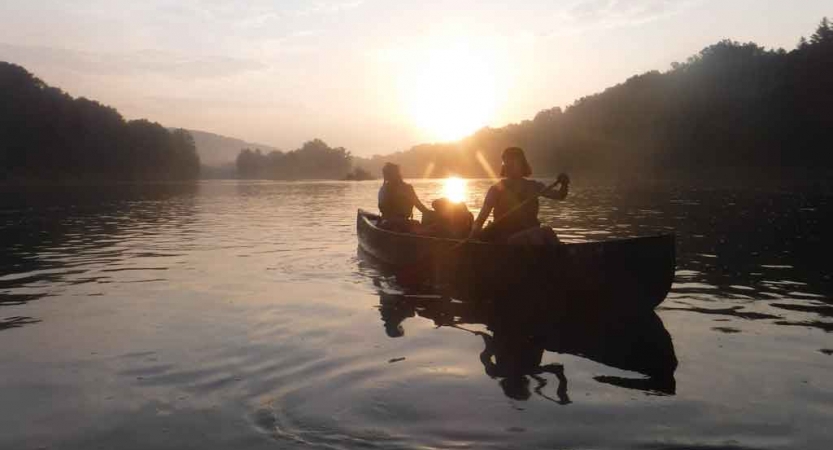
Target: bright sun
452, 93
454, 189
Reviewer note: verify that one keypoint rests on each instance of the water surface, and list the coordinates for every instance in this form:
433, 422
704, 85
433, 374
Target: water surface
239, 315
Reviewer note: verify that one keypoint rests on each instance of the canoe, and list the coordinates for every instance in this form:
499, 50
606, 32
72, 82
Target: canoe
626, 274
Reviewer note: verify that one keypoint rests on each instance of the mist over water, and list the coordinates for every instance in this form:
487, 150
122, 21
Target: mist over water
234, 314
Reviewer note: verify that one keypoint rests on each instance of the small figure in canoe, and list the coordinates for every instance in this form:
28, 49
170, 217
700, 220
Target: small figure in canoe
397, 201
514, 201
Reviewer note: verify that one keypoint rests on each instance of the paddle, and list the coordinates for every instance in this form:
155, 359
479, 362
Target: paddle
476, 333
408, 273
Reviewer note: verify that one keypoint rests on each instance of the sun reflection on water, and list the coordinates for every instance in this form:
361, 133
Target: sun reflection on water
454, 189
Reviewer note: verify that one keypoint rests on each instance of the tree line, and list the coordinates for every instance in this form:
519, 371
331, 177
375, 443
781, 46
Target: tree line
733, 107
47, 135
314, 160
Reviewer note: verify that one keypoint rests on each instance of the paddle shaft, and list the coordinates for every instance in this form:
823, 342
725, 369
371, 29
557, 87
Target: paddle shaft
518, 207
476, 333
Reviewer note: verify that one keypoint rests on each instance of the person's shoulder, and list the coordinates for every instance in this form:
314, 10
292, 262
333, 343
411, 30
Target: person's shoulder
494, 190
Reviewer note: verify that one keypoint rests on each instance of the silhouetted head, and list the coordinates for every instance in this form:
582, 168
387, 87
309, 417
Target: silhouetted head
516, 387
441, 204
515, 164
394, 330
391, 173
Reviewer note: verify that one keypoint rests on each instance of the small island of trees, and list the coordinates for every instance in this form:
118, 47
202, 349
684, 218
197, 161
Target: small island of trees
359, 174
314, 160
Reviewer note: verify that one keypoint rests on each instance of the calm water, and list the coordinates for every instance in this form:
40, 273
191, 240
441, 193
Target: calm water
238, 315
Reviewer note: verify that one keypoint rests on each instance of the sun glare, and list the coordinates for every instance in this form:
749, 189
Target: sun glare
455, 189
452, 93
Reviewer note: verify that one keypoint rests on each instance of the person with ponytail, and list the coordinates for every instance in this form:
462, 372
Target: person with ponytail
397, 200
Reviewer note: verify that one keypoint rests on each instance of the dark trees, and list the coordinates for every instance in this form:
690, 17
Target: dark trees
47, 135
314, 160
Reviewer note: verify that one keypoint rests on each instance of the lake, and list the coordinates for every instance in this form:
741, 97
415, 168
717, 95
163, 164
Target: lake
238, 314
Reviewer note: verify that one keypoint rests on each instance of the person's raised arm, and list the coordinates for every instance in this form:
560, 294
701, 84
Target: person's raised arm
563, 184
422, 208
381, 198
488, 205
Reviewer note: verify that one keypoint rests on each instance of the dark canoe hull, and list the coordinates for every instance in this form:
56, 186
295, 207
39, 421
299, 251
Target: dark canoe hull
622, 274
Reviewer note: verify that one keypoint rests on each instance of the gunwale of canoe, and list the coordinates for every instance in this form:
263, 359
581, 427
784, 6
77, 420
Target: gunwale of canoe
636, 271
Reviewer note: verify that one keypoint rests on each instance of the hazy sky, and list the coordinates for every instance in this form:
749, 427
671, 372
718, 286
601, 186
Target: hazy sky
374, 76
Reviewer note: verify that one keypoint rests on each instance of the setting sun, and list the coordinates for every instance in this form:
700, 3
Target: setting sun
452, 93
454, 189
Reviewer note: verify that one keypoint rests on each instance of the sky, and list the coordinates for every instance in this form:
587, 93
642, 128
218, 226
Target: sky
374, 76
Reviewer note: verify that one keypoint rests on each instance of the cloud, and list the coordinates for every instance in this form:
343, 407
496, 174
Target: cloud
330, 7
225, 104
586, 15
260, 12
145, 62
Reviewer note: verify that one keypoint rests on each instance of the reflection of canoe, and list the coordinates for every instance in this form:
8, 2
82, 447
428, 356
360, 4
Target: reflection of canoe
638, 343
519, 334
636, 272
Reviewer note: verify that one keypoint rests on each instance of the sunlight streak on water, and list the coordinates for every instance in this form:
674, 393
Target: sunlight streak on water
454, 189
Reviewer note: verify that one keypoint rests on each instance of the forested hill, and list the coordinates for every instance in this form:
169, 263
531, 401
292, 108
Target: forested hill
735, 108
48, 136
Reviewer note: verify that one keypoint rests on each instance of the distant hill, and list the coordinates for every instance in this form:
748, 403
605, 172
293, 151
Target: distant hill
218, 150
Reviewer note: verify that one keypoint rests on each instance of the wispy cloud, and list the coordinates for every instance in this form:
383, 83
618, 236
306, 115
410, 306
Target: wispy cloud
147, 62
330, 7
261, 12
586, 15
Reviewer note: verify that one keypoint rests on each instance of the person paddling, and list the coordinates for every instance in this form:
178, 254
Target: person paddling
397, 200
514, 200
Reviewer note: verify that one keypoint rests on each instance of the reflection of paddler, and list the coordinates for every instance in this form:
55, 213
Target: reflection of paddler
395, 308
394, 312
511, 357
519, 335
